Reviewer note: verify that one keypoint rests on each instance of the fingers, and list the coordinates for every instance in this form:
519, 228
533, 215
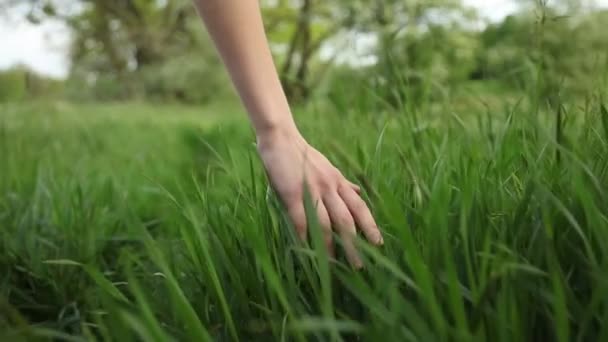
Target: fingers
362, 215
297, 215
342, 208
345, 225
325, 223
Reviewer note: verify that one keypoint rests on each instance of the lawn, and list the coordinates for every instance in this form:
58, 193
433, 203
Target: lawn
155, 222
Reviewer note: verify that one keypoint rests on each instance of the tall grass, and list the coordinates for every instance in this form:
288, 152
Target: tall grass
132, 222
488, 235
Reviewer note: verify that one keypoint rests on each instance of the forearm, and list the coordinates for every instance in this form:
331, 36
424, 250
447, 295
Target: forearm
237, 30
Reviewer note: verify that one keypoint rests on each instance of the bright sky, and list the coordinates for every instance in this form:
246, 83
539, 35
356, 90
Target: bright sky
44, 47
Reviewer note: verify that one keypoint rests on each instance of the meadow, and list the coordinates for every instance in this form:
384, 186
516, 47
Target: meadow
134, 221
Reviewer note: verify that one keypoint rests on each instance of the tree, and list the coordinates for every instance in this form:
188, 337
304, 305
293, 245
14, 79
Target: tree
558, 55
302, 28
120, 38
298, 30
128, 33
419, 42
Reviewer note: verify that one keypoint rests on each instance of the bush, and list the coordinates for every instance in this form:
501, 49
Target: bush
13, 85
567, 52
421, 64
19, 83
185, 79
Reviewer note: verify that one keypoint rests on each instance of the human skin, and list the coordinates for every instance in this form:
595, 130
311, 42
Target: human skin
237, 30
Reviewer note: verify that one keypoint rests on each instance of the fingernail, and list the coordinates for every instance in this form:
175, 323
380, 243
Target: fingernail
378, 240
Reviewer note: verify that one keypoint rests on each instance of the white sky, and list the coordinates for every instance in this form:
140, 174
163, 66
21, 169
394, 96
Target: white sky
44, 47
41, 47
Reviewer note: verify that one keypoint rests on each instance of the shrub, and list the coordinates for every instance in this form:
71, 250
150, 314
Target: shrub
13, 85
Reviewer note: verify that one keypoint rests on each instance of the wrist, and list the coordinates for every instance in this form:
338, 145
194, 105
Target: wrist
276, 134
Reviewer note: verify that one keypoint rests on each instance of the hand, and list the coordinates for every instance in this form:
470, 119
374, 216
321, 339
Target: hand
289, 160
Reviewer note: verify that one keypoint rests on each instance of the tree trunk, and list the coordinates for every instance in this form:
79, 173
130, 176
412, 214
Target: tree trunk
105, 36
299, 51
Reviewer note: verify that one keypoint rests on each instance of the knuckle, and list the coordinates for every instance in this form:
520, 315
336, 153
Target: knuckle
325, 183
337, 173
297, 217
292, 196
300, 225
359, 205
325, 222
345, 221
344, 187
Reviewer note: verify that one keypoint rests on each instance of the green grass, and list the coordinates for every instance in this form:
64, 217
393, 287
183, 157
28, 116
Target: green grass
141, 222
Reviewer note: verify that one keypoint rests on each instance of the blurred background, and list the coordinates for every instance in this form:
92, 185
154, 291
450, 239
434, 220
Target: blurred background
158, 51
477, 129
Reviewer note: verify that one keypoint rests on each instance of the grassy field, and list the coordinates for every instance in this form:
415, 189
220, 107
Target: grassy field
142, 222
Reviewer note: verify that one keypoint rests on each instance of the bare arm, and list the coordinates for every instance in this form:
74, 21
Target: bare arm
237, 30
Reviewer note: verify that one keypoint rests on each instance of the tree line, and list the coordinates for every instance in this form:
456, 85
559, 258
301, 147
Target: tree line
158, 50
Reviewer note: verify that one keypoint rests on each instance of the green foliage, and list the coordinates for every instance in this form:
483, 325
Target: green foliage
568, 52
186, 78
159, 50
20, 83
120, 42
145, 51
155, 222
148, 222
548, 56
13, 85
422, 63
